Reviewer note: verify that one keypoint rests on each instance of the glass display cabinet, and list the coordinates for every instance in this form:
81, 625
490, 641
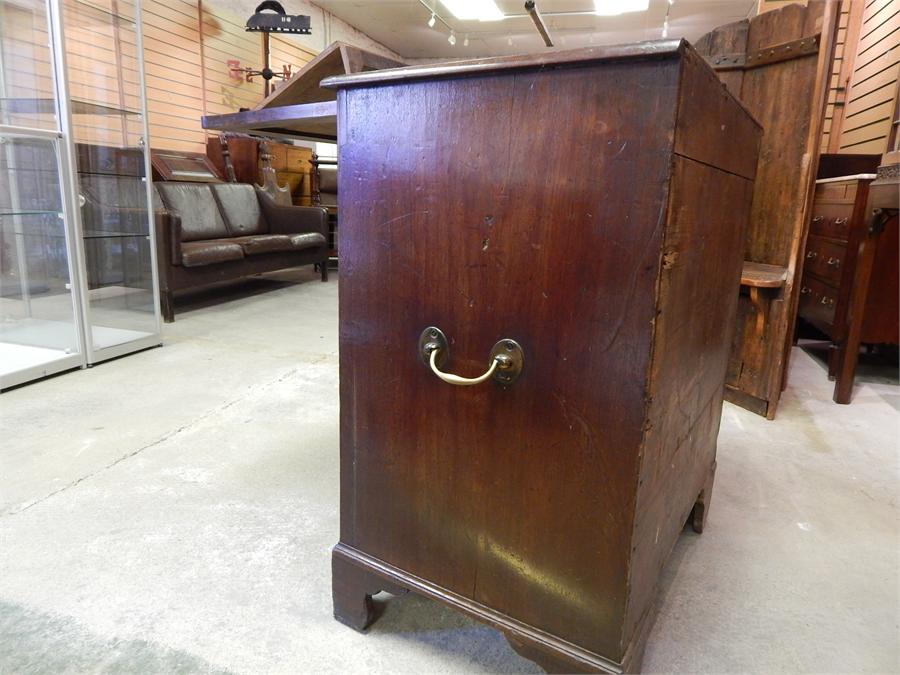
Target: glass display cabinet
77, 257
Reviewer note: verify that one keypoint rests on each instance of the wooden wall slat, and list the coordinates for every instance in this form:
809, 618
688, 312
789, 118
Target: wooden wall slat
865, 121
186, 54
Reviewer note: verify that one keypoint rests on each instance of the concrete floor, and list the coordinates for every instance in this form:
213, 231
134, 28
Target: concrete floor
173, 511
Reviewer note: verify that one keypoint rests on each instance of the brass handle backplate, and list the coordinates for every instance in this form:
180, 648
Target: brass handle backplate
505, 365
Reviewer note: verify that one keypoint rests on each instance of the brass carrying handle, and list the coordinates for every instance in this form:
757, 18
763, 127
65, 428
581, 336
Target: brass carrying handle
450, 378
506, 359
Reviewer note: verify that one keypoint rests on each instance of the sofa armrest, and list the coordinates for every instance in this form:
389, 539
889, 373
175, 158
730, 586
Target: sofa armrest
292, 219
168, 237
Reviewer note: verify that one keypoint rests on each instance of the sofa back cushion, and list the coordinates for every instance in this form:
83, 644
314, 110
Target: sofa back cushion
240, 208
328, 179
195, 204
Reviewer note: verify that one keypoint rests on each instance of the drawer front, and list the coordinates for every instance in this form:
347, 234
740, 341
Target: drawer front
836, 192
278, 153
817, 300
825, 258
831, 220
297, 160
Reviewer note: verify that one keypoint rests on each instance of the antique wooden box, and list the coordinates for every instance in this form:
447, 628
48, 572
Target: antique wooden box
574, 221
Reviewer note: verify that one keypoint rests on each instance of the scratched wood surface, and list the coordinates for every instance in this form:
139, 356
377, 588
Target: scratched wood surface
518, 504
788, 98
708, 212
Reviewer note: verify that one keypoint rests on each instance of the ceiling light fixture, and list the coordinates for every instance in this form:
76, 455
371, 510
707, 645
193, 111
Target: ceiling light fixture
616, 7
432, 20
452, 39
466, 40
474, 10
509, 41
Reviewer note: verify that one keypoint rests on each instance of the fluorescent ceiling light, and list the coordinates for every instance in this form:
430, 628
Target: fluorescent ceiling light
614, 7
474, 10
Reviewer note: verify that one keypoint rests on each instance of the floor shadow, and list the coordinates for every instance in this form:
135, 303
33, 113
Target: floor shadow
875, 366
439, 628
33, 643
223, 293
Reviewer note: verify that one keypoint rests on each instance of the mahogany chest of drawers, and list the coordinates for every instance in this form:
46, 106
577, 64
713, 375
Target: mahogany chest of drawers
589, 304
832, 269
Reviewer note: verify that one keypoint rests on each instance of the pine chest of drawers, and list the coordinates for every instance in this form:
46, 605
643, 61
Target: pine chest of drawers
567, 230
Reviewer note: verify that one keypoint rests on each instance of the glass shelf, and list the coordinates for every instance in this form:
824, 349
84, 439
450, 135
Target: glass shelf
47, 106
11, 214
77, 276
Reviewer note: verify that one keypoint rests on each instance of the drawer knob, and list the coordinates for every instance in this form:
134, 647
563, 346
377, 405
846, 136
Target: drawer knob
817, 219
827, 301
834, 262
506, 359
840, 221
805, 290
810, 255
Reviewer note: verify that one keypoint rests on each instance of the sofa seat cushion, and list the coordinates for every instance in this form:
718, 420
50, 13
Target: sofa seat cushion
197, 253
307, 240
258, 244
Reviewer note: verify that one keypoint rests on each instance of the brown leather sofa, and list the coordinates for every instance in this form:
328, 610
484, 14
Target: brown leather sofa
214, 232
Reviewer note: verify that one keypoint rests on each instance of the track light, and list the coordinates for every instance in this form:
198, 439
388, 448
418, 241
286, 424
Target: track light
452, 39
432, 20
509, 41
466, 40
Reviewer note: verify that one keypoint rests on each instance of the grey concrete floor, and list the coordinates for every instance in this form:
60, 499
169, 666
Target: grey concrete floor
172, 511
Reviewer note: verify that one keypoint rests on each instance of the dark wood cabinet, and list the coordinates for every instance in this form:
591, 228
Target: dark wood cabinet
598, 297
835, 288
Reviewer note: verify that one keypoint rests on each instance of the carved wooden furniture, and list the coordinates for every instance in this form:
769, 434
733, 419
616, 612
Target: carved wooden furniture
778, 64
599, 293
193, 167
251, 157
300, 108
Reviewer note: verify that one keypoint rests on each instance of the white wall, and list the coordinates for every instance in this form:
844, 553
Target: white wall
326, 28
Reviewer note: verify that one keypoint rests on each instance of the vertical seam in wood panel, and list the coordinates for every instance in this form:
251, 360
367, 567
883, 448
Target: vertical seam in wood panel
203, 92
662, 220
830, 21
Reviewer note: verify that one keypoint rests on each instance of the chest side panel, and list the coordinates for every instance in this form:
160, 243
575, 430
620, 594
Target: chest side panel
717, 147
528, 206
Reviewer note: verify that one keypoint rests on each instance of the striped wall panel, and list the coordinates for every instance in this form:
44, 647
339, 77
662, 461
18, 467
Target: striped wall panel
873, 81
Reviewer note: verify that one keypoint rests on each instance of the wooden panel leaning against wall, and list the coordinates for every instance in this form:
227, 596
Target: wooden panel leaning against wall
864, 74
798, 70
